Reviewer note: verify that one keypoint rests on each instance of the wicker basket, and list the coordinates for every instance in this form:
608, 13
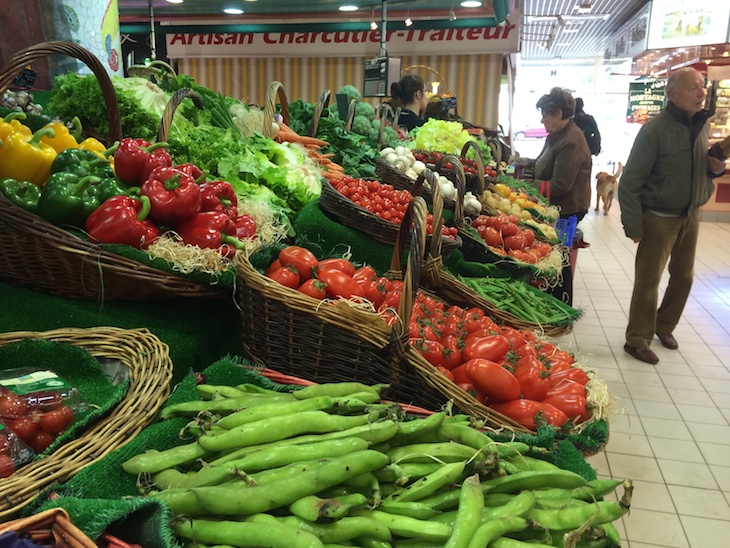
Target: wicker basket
274, 91
331, 342
350, 214
43, 256
322, 103
401, 181
50, 528
169, 113
150, 371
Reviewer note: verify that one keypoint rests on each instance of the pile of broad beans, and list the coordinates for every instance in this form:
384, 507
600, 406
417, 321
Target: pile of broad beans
332, 465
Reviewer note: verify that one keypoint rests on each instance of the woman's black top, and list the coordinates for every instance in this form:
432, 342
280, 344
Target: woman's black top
409, 119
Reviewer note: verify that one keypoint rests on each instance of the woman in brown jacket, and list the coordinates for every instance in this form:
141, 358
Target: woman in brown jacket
565, 160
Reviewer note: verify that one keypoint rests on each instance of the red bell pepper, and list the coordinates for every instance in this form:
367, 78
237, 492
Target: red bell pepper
194, 171
245, 227
173, 195
135, 159
212, 230
123, 220
219, 196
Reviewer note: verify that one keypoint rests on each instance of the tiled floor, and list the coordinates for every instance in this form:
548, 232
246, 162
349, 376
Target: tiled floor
673, 438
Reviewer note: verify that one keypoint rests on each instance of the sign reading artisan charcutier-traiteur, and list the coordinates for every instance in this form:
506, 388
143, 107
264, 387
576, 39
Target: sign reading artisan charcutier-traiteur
345, 43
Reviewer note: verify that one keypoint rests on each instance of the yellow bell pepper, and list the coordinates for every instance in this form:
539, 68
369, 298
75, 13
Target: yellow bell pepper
94, 145
26, 158
10, 124
63, 138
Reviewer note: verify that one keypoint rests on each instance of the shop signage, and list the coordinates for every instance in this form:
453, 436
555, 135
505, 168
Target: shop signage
346, 43
630, 40
682, 23
646, 99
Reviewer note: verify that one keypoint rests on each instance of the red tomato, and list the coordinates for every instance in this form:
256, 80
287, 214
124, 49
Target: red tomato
452, 354
287, 277
574, 374
314, 288
392, 299
575, 407
509, 229
515, 337
433, 351
276, 265
479, 334
493, 380
7, 466
491, 236
545, 349
5, 443
514, 242
460, 375
41, 441
55, 422
555, 365
12, 406
492, 348
446, 372
374, 292
364, 274
300, 258
529, 237
566, 387
455, 312
551, 415
24, 427
534, 384
340, 284
343, 265
563, 355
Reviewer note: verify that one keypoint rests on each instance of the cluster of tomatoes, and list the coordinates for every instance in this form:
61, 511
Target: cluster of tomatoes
470, 166
36, 419
505, 237
508, 369
384, 201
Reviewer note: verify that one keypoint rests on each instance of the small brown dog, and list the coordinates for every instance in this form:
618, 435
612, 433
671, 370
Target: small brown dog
606, 185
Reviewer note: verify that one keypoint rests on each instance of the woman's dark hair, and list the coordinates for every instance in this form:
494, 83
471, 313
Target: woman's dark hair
404, 91
558, 99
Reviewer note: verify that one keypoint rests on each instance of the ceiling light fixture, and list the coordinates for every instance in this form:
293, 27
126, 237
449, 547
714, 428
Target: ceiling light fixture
408, 22
471, 4
584, 7
452, 15
373, 24
348, 7
175, 1
233, 11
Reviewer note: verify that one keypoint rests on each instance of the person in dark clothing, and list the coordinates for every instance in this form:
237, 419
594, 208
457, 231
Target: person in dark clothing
410, 95
588, 126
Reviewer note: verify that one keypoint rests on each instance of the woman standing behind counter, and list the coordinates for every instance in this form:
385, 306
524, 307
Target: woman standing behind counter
409, 94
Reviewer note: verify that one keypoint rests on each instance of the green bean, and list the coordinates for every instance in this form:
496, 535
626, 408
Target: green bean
417, 510
410, 527
278, 428
448, 473
416, 470
468, 519
244, 534
392, 473
315, 509
373, 433
356, 400
525, 464
261, 498
335, 389
251, 388
594, 490
260, 412
499, 499
222, 406
536, 480
341, 530
506, 542
209, 391
425, 452
491, 530
559, 504
152, 461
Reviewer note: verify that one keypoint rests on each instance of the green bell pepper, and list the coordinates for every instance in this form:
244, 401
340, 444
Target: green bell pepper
111, 187
82, 163
68, 199
22, 193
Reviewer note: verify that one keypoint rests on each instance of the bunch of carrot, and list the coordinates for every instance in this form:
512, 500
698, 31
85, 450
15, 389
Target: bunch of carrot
331, 170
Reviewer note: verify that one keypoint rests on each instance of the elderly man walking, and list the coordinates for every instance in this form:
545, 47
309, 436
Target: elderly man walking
667, 178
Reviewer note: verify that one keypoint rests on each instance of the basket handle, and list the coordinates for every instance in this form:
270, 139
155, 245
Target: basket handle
167, 117
437, 203
479, 158
275, 89
350, 115
28, 55
383, 111
322, 103
460, 184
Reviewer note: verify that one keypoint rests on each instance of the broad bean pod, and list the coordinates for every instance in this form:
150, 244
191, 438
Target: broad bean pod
405, 526
246, 534
468, 518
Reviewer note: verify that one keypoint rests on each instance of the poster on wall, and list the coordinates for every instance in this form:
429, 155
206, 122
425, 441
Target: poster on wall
646, 99
683, 23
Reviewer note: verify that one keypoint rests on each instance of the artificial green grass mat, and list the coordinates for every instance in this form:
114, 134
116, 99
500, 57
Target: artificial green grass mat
77, 367
198, 331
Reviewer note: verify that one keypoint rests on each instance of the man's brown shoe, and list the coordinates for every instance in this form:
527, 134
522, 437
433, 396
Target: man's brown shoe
643, 354
668, 341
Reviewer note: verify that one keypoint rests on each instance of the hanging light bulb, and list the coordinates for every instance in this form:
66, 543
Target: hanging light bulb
452, 15
373, 24
408, 22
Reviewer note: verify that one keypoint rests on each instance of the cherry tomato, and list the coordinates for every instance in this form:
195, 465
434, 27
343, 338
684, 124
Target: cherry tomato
41, 441
314, 288
7, 466
55, 422
340, 284
25, 427
492, 348
286, 276
574, 406
493, 380
12, 406
343, 265
300, 258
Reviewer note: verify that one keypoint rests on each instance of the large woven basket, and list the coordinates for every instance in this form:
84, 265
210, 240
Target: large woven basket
43, 256
350, 214
330, 342
49, 528
150, 370
275, 91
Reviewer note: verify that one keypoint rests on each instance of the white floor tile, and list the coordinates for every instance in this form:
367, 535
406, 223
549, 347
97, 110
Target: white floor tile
703, 503
656, 409
666, 428
655, 528
680, 473
680, 450
714, 453
703, 532
706, 415
629, 444
634, 468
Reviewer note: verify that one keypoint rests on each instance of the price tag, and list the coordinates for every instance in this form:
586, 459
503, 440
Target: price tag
25, 79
